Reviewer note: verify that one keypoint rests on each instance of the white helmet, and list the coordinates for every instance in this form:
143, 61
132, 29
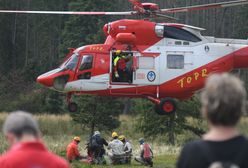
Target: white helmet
97, 133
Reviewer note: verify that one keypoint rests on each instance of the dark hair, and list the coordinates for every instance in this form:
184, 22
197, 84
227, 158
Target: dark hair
223, 100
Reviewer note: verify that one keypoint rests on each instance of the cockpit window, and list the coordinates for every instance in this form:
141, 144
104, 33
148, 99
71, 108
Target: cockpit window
180, 34
71, 63
86, 63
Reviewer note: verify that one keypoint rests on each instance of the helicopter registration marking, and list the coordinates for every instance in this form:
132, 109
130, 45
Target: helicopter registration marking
194, 77
96, 48
141, 76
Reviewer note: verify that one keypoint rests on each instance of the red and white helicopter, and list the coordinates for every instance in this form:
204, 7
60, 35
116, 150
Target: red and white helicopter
168, 60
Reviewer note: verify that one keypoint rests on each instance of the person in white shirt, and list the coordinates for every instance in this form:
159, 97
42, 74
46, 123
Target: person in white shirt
127, 149
117, 154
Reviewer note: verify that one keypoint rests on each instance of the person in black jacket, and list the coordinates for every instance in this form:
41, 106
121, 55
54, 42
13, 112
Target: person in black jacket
223, 102
96, 149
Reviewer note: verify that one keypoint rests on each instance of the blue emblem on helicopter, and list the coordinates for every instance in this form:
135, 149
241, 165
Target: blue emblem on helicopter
151, 76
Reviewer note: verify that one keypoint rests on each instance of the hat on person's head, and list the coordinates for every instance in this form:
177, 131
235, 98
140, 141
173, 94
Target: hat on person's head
97, 133
77, 138
118, 52
114, 135
122, 137
141, 140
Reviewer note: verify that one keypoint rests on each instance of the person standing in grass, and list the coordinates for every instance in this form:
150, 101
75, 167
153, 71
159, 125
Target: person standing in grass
223, 103
27, 150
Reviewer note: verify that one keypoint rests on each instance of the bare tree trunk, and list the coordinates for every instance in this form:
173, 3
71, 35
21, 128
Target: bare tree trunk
27, 38
171, 133
219, 32
92, 129
14, 43
128, 106
50, 53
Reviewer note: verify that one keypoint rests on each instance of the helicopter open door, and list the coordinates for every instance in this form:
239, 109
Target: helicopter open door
140, 69
145, 72
121, 67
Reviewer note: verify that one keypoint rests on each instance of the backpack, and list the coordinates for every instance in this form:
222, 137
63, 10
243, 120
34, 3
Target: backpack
147, 151
94, 142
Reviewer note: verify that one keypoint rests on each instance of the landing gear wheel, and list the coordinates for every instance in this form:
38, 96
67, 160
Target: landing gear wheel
167, 106
72, 107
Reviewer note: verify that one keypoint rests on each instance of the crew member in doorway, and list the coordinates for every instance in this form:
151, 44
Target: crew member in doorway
121, 72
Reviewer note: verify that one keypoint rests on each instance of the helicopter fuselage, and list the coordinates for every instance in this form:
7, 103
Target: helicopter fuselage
168, 60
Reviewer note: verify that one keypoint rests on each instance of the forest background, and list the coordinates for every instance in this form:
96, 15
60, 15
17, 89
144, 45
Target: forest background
34, 44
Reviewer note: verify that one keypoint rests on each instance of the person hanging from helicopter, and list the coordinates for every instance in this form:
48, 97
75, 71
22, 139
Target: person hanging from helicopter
122, 72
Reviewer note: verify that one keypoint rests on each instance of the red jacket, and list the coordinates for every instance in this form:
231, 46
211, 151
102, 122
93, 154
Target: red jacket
121, 64
72, 151
30, 155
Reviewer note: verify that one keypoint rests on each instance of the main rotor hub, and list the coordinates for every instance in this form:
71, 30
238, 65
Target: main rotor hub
150, 6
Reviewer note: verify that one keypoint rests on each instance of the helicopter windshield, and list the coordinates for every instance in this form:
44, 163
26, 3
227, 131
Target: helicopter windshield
71, 63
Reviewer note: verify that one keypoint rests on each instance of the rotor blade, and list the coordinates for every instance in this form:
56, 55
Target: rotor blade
205, 6
68, 12
166, 16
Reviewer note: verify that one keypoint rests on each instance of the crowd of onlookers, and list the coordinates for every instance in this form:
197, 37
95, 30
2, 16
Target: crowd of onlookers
223, 103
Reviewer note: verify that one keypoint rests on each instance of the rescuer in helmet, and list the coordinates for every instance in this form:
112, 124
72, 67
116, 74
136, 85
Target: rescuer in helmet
127, 149
116, 147
121, 71
72, 152
96, 149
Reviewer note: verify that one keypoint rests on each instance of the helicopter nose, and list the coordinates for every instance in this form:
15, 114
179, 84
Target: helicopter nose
45, 80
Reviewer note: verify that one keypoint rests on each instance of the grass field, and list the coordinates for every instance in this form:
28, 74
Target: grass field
58, 131
165, 161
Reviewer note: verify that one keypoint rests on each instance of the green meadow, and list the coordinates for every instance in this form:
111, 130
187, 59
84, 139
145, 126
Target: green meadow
58, 131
